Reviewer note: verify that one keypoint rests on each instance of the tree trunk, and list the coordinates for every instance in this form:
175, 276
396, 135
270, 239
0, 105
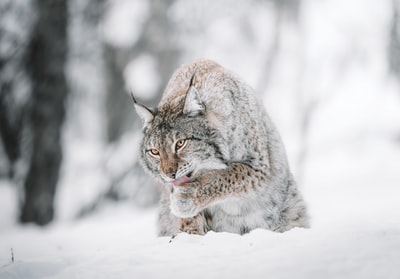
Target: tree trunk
394, 44
48, 50
10, 131
14, 84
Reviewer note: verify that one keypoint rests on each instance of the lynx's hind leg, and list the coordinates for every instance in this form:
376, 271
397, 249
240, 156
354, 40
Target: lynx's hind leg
294, 213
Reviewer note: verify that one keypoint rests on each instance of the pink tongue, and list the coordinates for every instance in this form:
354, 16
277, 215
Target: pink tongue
181, 180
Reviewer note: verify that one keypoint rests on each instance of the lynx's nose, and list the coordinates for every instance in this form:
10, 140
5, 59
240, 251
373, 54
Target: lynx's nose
169, 169
171, 174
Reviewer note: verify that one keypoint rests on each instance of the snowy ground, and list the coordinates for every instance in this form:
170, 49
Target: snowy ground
355, 234
117, 249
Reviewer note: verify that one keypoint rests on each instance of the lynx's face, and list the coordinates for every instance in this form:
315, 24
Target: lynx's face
180, 147
178, 140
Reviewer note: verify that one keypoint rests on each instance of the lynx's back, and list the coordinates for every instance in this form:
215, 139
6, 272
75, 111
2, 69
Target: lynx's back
220, 158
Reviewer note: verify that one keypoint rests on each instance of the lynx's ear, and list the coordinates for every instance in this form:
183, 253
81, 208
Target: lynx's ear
144, 113
193, 104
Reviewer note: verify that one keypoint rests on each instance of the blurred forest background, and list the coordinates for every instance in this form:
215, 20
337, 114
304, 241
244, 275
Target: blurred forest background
328, 72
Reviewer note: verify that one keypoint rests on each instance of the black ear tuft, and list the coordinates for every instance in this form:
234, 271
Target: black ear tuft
145, 114
133, 97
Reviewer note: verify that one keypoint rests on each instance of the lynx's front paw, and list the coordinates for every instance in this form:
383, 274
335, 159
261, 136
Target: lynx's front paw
183, 201
195, 225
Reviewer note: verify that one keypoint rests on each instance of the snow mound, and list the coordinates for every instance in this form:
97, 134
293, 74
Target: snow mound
121, 243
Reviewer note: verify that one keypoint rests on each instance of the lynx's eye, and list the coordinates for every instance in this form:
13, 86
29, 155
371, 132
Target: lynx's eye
154, 152
180, 144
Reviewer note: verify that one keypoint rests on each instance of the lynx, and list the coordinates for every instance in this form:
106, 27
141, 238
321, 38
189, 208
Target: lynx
218, 156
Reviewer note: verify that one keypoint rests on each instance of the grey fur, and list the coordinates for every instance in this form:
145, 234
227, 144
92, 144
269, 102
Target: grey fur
240, 178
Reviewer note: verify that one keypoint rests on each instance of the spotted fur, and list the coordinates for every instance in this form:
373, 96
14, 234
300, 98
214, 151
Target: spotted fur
239, 175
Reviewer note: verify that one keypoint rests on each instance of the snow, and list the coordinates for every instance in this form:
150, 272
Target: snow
8, 204
121, 251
